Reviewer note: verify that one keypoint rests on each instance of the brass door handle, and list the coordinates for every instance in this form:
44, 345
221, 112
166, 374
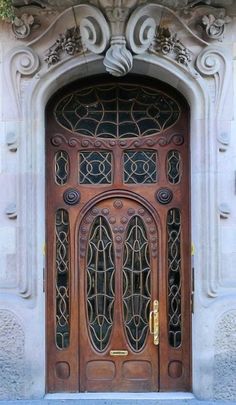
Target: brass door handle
154, 322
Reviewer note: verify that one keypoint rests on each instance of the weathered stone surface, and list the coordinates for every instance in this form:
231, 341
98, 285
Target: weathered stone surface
12, 342
225, 357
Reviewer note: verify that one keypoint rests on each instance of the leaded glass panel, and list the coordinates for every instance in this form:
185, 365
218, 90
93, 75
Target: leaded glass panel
174, 276
61, 167
140, 167
95, 168
174, 166
136, 284
62, 279
117, 111
100, 271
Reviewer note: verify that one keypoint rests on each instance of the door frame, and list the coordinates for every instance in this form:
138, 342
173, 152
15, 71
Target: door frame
31, 229
99, 79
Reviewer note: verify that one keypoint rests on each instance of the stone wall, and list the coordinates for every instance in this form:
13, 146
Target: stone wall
12, 356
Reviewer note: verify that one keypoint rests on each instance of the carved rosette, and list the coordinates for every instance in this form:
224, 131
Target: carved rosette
215, 26
21, 26
118, 60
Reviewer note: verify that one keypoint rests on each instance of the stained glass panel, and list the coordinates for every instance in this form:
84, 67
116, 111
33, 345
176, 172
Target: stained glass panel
140, 167
136, 284
174, 276
117, 111
61, 167
62, 279
95, 168
174, 167
100, 271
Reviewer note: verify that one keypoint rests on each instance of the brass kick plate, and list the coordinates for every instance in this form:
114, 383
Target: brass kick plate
119, 352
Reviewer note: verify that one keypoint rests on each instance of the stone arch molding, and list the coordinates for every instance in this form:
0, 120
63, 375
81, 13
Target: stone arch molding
118, 37
85, 40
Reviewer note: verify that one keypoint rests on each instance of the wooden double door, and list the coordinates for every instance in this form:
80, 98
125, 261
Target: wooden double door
118, 245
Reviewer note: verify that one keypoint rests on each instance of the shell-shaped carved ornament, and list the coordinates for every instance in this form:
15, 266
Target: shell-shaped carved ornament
118, 60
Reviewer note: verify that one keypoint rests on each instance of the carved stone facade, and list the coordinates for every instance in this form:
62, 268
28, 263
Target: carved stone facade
225, 357
12, 356
191, 46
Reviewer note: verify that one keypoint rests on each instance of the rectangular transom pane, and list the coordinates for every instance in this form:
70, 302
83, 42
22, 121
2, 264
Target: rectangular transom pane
140, 167
95, 167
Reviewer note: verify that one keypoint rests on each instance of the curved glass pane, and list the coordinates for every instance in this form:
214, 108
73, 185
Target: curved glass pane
100, 283
174, 276
62, 279
174, 167
61, 167
136, 284
117, 111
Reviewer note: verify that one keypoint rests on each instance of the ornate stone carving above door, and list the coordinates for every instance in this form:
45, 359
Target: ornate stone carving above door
169, 39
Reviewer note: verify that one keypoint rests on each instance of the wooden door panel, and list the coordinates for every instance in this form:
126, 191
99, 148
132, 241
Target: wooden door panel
130, 296
117, 153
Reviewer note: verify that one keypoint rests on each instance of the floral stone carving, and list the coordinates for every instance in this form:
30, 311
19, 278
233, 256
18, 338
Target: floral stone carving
169, 44
69, 43
21, 26
215, 26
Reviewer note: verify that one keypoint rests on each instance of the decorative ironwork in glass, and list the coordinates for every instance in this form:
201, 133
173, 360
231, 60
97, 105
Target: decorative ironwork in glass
174, 276
100, 271
95, 167
136, 283
140, 167
117, 111
174, 167
62, 279
61, 167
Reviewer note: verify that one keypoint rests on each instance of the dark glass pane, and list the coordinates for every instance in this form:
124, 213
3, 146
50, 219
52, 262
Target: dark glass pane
136, 284
95, 167
61, 167
174, 167
100, 271
106, 110
174, 276
140, 167
62, 279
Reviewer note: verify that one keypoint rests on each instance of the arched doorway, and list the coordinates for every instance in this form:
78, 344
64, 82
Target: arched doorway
118, 243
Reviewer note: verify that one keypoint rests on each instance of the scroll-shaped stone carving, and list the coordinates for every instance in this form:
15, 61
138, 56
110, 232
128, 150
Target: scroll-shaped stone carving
90, 32
95, 33
212, 61
225, 357
12, 342
140, 32
144, 33
22, 62
118, 60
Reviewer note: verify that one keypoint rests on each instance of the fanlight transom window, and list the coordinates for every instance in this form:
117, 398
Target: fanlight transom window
117, 111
